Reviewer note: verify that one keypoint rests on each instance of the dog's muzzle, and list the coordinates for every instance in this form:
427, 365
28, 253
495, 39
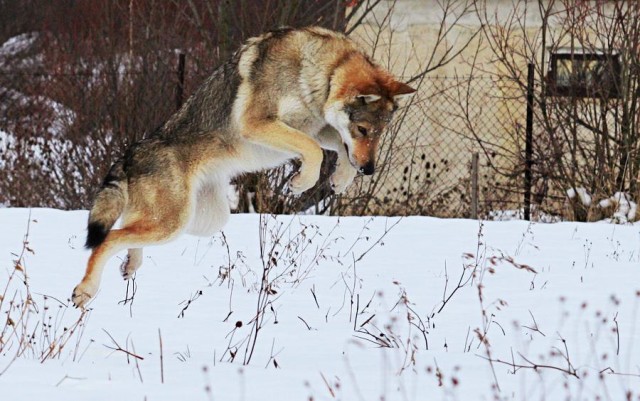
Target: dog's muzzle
368, 168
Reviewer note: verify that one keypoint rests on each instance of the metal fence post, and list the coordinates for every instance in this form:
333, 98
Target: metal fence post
180, 86
528, 150
474, 186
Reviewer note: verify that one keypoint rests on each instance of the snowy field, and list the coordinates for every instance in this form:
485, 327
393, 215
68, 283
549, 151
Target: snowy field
317, 308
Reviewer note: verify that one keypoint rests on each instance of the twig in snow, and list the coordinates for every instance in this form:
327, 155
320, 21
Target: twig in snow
531, 365
118, 348
615, 320
305, 323
129, 298
69, 377
326, 383
315, 298
535, 327
161, 358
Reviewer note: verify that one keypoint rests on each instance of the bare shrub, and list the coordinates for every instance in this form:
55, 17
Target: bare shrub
102, 75
35, 325
586, 133
110, 69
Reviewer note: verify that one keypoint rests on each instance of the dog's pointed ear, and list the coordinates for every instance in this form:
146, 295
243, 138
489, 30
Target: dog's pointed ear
366, 99
400, 91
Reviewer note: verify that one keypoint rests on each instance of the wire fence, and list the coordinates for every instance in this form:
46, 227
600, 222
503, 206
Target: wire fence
428, 157
74, 130
59, 133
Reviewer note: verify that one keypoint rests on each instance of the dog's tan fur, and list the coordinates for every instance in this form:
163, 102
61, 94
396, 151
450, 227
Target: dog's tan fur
286, 94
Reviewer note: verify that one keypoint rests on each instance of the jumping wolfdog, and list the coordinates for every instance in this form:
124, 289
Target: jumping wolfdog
286, 94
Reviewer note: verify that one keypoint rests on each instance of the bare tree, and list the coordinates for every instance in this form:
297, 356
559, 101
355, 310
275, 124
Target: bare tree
405, 181
586, 99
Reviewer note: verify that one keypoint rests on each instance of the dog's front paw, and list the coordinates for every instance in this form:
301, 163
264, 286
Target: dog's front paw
342, 177
301, 182
83, 293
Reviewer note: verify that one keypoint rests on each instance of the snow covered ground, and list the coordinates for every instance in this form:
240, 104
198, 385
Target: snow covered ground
348, 309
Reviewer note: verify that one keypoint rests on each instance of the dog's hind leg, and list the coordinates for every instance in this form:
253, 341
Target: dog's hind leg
131, 263
211, 211
134, 236
133, 260
151, 226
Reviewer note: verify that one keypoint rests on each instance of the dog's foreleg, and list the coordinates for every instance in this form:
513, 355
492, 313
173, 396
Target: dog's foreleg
279, 136
344, 172
343, 175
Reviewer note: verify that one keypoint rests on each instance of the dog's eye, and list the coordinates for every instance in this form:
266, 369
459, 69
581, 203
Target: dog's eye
363, 131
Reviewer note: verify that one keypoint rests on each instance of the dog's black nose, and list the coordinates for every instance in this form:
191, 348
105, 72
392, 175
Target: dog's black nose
368, 168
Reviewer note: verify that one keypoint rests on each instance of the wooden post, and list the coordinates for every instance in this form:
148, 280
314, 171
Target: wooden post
180, 86
528, 149
474, 186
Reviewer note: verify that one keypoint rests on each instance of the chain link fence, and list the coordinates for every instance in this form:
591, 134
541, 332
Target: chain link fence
427, 158
59, 136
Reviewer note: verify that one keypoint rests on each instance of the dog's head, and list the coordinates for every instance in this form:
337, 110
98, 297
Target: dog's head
363, 112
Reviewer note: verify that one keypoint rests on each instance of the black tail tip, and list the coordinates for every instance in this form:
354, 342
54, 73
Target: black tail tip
96, 233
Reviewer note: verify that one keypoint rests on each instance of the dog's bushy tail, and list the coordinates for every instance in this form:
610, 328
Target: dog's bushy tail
107, 206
